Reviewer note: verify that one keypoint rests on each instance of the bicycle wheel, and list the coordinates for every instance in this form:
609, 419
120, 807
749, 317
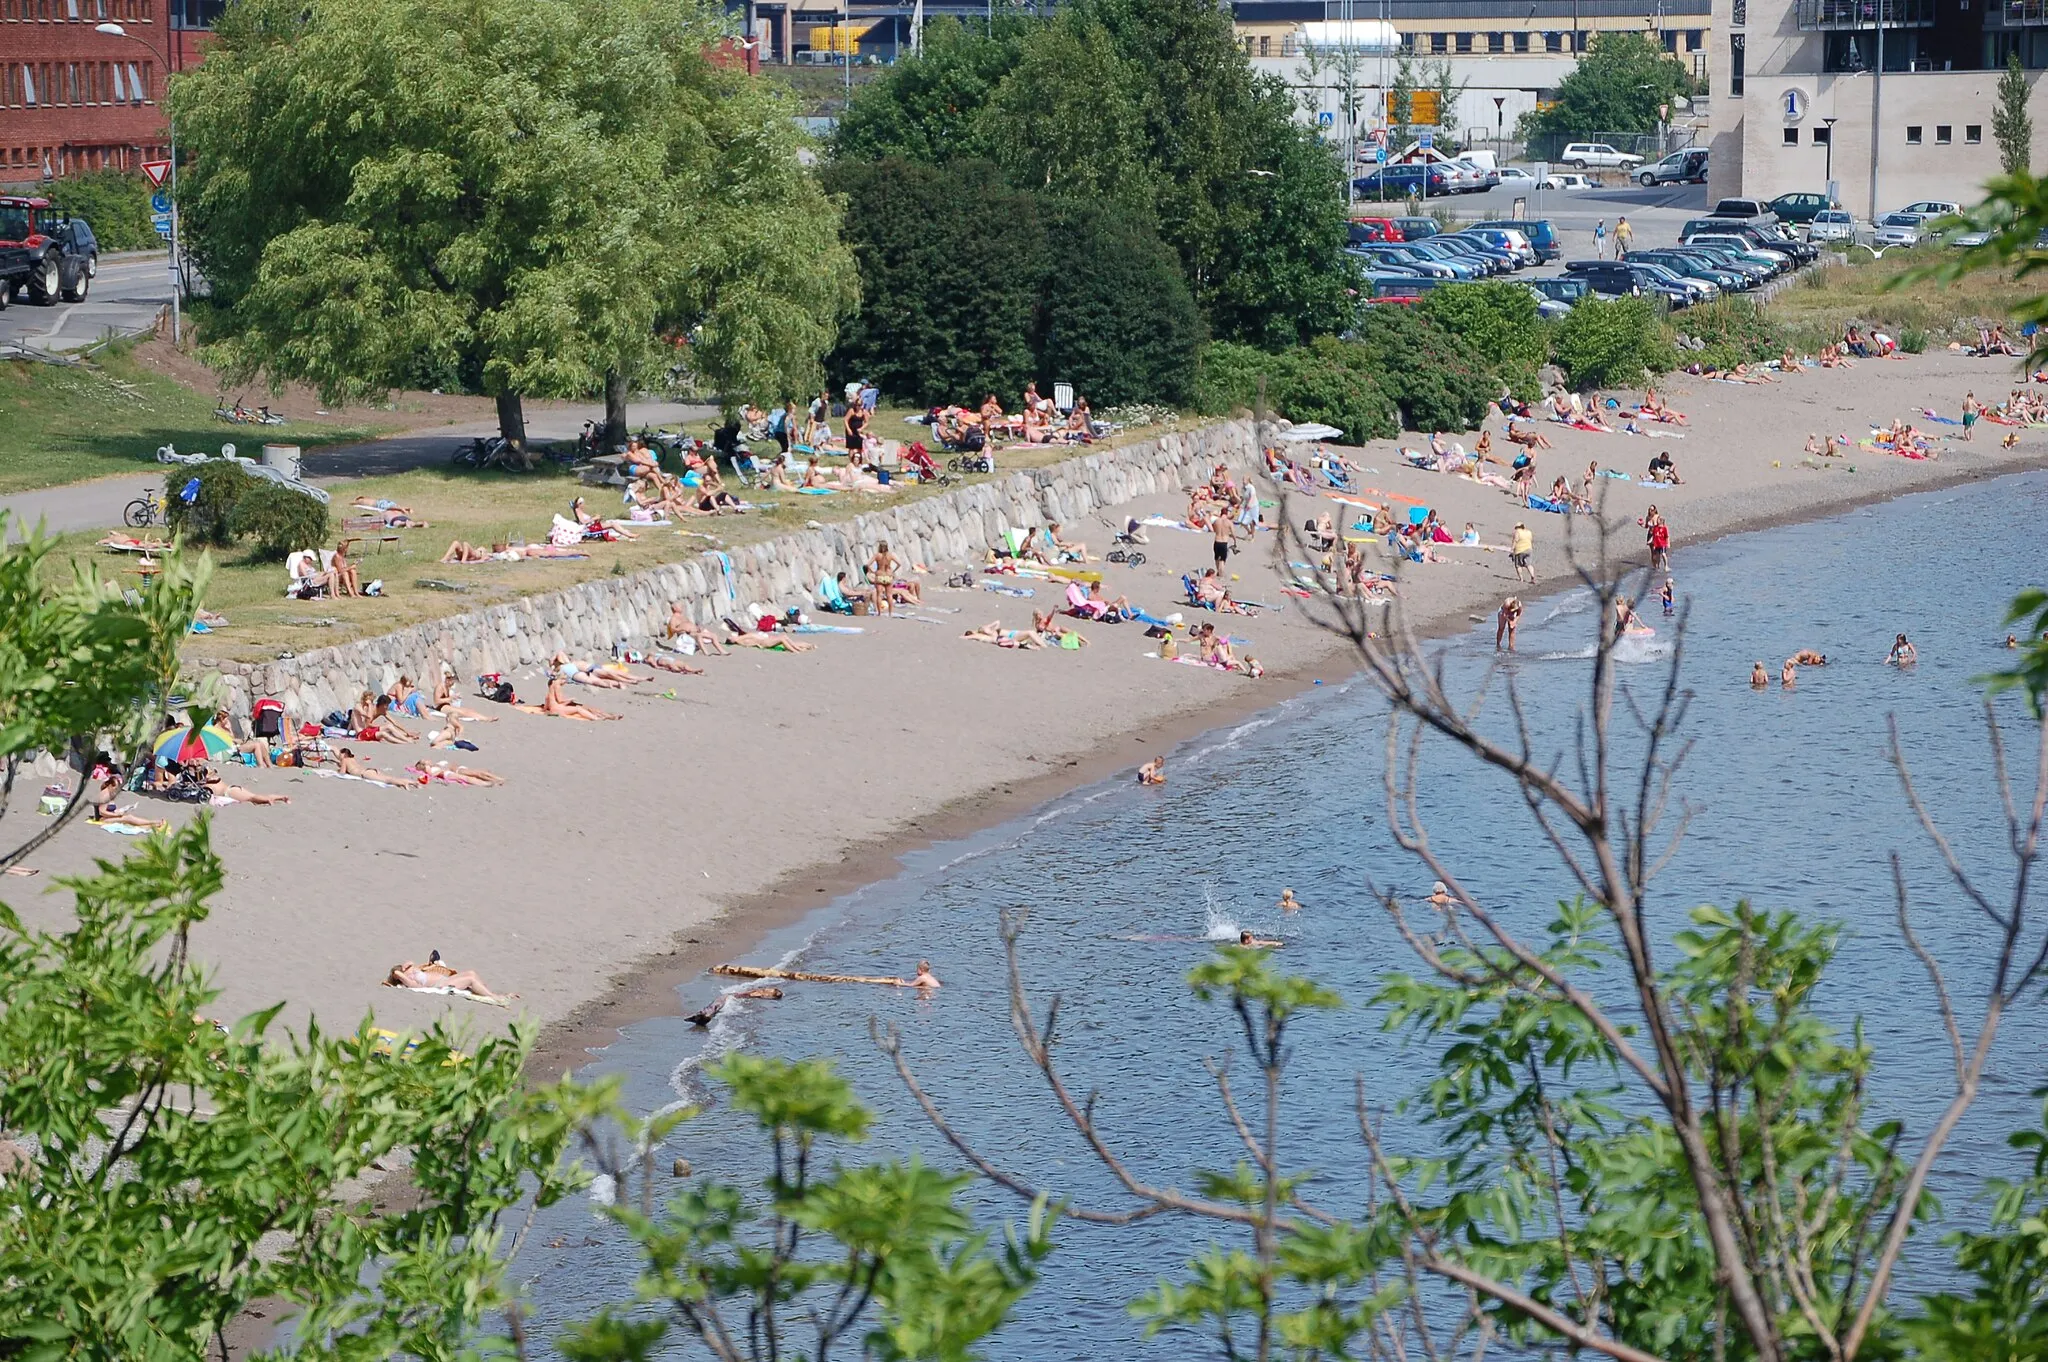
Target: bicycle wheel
1135, 559
139, 515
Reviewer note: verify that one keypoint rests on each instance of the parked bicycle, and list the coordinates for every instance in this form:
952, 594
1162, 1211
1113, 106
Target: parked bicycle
240, 415
145, 511
485, 451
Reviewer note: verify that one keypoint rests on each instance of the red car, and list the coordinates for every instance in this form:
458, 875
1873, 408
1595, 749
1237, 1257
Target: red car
1364, 230
33, 258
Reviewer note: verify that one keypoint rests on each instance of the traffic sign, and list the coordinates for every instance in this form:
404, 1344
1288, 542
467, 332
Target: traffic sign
1379, 154
160, 219
160, 202
163, 229
1326, 119
1426, 140
156, 170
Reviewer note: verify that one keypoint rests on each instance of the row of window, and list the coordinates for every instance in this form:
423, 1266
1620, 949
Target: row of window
1554, 40
1944, 135
75, 11
31, 85
22, 163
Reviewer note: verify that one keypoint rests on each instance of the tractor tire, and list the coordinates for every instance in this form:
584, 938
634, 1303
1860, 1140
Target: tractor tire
43, 289
80, 286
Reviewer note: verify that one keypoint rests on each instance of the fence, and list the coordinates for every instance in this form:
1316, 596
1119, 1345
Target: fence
1648, 145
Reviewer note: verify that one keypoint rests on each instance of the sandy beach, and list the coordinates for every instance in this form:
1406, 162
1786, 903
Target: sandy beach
620, 858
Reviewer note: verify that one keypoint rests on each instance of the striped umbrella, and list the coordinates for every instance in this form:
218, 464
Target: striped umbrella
198, 742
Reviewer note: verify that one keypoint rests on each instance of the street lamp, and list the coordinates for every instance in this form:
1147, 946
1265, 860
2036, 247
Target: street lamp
113, 30
1828, 175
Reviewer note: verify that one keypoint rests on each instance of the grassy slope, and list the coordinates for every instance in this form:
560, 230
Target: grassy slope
483, 508
69, 423
1877, 292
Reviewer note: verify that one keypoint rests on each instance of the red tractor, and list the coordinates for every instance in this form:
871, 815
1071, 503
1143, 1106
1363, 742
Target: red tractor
39, 255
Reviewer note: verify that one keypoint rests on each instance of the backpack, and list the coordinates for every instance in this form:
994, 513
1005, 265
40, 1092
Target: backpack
493, 686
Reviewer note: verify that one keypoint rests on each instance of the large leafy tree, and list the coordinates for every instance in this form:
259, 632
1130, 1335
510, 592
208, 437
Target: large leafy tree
2011, 124
1120, 325
1618, 86
521, 199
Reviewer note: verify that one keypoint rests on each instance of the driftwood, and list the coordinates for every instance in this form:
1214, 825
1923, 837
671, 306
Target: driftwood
703, 1015
757, 972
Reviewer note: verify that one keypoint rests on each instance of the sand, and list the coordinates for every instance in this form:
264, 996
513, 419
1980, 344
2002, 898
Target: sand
623, 858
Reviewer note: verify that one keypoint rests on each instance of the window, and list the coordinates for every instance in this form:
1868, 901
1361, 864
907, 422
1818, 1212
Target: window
1464, 42
1973, 133
1739, 13
1695, 39
28, 86
1553, 42
1496, 42
1913, 134
1521, 42
1791, 137
1735, 45
1265, 45
1439, 43
1821, 136
1671, 40
138, 83
1943, 134
1407, 42
1579, 39
120, 86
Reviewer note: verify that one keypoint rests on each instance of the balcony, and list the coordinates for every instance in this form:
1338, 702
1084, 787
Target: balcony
2026, 13
1825, 15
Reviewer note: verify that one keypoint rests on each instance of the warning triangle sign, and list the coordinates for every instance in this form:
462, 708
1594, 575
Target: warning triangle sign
156, 170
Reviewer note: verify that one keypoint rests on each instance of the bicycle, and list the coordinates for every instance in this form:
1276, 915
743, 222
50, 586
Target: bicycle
145, 511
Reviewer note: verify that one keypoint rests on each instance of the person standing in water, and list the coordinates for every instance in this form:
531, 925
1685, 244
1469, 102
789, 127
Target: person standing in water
1758, 677
1506, 622
1669, 595
1289, 903
1788, 675
1903, 654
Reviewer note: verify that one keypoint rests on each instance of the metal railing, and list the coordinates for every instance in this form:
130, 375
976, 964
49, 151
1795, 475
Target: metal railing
2025, 13
1813, 15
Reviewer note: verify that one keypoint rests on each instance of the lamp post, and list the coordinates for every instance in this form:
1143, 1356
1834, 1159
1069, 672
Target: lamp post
113, 30
1828, 175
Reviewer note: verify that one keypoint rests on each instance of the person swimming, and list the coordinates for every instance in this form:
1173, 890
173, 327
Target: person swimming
1288, 903
1250, 942
1153, 772
1758, 677
1807, 657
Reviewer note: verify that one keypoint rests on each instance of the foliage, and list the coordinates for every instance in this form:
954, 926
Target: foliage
824, 1252
114, 203
510, 211
1438, 381
1119, 323
1153, 103
2012, 127
1227, 377
1496, 323
1913, 340
1617, 86
951, 298
1335, 382
2004, 1318
1735, 330
279, 519
1440, 78
1401, 94
1611, 342
2030, 674
207, 516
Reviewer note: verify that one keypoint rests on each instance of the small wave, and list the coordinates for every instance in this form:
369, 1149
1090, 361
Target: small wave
1574, 602
1233, 738
1217, 923
1072, 805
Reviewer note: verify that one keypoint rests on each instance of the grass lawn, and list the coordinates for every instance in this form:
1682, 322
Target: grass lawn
1871, 292
70, 423
483, 508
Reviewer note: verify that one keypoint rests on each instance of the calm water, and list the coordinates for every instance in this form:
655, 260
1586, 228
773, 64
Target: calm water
1796, 807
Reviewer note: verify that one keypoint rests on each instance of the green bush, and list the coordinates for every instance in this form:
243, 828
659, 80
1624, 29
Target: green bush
1119, 322
1331, 381
1736, 330
208, 517
279, 519
115, 204
1438, 381
1912, 340
1227, 377
1611, 342
1498, 326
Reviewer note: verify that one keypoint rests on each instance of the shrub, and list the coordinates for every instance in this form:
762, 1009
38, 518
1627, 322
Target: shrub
1120, 324
1735, 330
114, 203
1227, 377
1331, 381
1912, 340
279, 519
1438, 381
207, 517
1611, 342
1498, 326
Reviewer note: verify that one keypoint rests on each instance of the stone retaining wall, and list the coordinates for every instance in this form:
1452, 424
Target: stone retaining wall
587, 619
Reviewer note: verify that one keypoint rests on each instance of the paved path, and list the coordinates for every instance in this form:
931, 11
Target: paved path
127, 295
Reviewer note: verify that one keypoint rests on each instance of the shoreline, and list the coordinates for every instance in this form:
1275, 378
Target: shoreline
651, 987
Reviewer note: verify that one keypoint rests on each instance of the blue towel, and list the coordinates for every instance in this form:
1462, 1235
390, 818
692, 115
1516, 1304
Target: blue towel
1545, 504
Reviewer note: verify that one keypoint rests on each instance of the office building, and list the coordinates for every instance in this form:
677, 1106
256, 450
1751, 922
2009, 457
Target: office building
1895, 106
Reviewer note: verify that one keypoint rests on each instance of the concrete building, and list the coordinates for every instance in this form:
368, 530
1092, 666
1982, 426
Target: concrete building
1801, 95
1508, 54
74, 99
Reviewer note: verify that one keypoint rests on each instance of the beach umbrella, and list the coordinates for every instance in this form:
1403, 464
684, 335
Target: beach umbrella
1310, 430
196, 742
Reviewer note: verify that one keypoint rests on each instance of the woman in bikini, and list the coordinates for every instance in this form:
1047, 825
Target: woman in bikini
560, 706
434, 974
993, 632
218, 788
441, 772
882, 576
349, 764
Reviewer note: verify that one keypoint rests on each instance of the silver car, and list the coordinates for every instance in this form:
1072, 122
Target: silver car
1898, 229
1832, 224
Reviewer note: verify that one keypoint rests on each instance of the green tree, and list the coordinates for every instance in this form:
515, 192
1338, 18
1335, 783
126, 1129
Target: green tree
1119, 323
115, 202
951, 306
1401, 95
1448, 89
502, 210
1064, 120
2011, 124
927, 107
1620, 85
1611, 342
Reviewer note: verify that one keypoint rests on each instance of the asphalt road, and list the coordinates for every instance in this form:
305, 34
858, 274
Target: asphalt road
127, 294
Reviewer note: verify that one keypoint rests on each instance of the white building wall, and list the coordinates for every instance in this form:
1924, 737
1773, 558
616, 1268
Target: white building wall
1516, 80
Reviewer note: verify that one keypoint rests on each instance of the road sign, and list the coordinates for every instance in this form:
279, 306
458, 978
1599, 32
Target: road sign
1426, 140
160, 202
160, 220
156, 170
163, 229
1380, 154
1326, 119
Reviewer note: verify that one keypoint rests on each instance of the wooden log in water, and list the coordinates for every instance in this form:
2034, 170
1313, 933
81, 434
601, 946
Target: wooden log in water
758, 972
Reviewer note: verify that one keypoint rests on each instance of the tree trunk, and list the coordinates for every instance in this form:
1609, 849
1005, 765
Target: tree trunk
512, 426
616, 390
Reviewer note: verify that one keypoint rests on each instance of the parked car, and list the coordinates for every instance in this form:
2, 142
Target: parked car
1569, 182
41, 256
1458, 246
1366, 230
1898, 229
1509, 240
1405, 259
1542, 235
1733, 258
1695, 290
1403, 290
1762, 236
1418, 229
1977, 237
1488, 176
1463, 265
1563, 288
1598, 155
1687, 266
1514, 177
1398, 182
1934, 208
1779, 261
1799, 208
1612, 278
1680, 167
1832, 224
1740, 208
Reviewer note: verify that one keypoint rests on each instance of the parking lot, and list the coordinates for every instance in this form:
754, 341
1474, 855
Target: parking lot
1656, 215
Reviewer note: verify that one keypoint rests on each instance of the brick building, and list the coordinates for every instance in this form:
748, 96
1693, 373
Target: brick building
74, 99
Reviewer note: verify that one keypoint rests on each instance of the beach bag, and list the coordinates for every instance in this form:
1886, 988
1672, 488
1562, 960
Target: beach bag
335, 719
266, 718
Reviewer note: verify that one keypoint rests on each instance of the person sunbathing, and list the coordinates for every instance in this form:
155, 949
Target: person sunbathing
445, 703
1743, 373
1073, 548
460, 551
434, 975
105, 810
778, 475
1047, 626
993, 632
396, 517
773, 642
446, 774
680, 626
1662, 469
1102, 607
217, 788
349, 764
1653, 407
609, 529
1528, 436
557, 705
341, 573
583, 673
1081, 422
1817, 448
385, 721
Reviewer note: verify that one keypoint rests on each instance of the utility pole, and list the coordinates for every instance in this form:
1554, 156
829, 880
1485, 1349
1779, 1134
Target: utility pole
1828, 175
1876, 112
114, 30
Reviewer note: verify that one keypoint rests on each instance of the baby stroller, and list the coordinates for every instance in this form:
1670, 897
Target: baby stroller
920, 461
1127, 540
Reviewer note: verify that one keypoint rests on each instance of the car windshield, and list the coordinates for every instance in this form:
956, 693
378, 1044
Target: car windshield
1902, 220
